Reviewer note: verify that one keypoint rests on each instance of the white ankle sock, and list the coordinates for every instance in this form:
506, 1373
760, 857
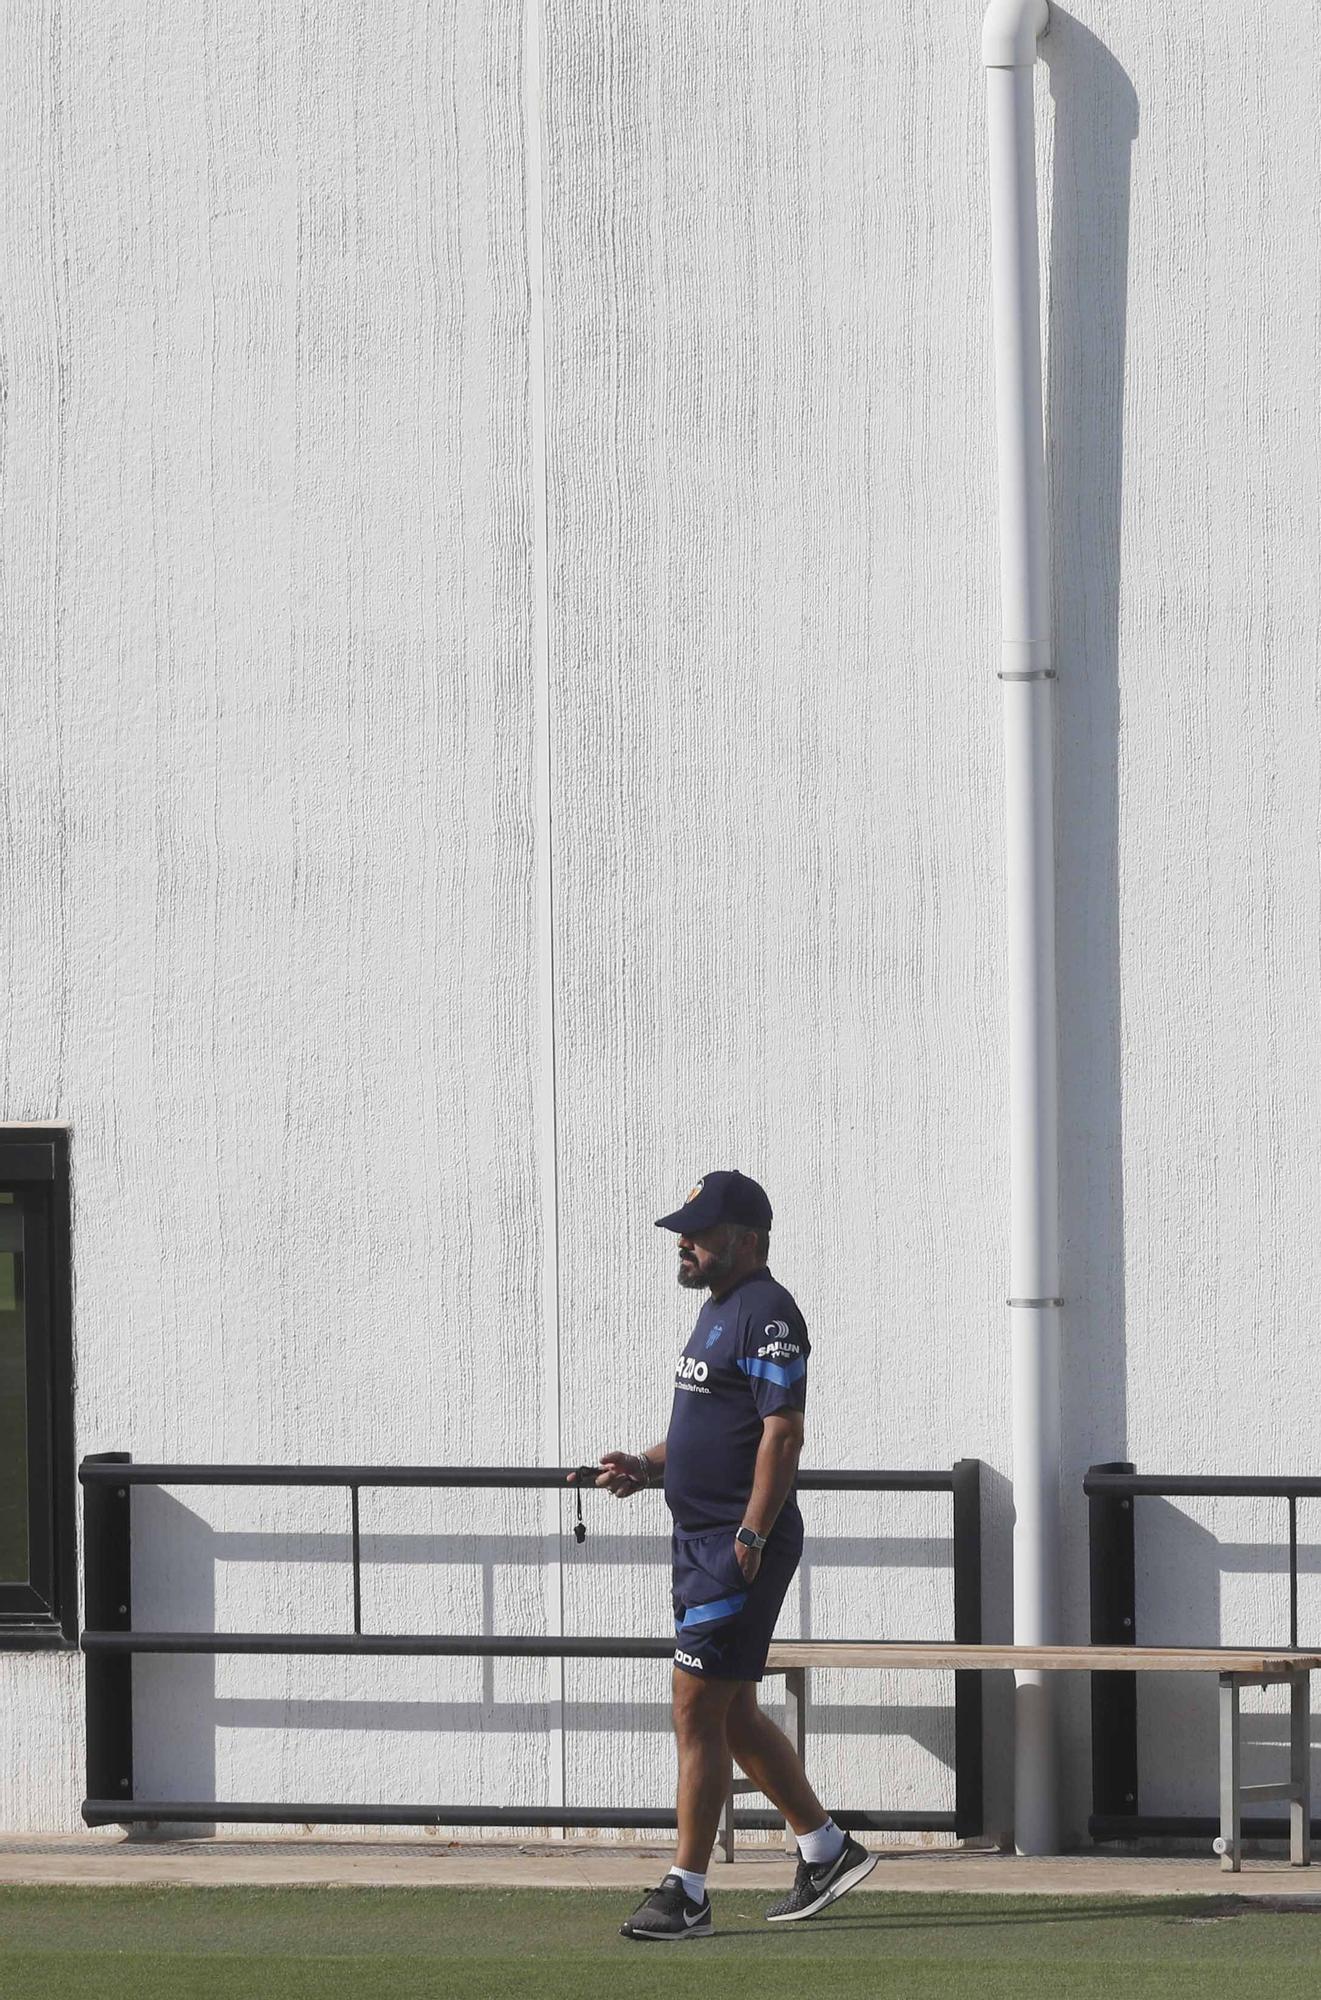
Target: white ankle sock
694, 1885
823, 1845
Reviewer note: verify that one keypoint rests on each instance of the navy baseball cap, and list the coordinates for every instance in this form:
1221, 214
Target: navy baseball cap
723, 1197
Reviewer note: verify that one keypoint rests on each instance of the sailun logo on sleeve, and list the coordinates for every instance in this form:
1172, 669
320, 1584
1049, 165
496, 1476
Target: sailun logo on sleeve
778, 1340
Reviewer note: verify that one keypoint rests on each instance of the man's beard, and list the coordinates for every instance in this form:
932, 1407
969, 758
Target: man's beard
719, 1266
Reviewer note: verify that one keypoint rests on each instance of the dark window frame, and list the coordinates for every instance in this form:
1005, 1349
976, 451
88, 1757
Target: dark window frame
43, 1613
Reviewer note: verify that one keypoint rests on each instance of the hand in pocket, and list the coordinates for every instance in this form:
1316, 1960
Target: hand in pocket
748, 1560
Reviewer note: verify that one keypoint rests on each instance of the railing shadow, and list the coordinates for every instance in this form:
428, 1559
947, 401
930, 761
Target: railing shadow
181, 1562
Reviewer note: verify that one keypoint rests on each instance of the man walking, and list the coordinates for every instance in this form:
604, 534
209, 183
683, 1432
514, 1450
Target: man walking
729, 1461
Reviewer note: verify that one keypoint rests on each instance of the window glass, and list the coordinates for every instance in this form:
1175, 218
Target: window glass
13, 1399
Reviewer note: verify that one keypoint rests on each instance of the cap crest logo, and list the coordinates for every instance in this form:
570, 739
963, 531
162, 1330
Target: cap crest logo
693, 1192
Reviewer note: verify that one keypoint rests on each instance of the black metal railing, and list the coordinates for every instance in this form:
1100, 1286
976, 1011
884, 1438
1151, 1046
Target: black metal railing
110, 1643
1111, 1491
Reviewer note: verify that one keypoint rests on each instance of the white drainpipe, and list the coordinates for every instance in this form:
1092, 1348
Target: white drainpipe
1009, 52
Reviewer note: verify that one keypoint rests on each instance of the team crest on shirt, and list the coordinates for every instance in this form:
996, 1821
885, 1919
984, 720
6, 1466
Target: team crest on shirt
714, 1335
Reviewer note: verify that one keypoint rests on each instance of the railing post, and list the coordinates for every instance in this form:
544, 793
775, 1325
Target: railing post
357, 1561
1113, 1623
108, 1607
969, 1814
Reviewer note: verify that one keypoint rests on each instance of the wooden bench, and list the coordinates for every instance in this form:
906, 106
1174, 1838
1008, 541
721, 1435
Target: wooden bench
1236, 1667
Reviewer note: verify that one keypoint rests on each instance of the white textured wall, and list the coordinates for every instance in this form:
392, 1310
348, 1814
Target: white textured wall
774, 848
269, 840
276, 813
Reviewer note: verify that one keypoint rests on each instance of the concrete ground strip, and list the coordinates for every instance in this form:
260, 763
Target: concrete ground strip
88, 1859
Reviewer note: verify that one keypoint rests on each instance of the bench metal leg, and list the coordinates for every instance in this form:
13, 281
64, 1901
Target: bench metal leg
1300, 1770
1298, 1790
1229, 1845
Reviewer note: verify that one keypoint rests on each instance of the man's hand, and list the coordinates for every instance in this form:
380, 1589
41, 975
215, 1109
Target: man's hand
749, 1560
623, 1472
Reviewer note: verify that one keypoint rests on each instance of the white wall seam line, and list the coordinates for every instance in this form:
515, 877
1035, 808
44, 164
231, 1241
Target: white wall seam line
552, 1437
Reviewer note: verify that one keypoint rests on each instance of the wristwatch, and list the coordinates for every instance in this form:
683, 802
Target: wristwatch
750, 1538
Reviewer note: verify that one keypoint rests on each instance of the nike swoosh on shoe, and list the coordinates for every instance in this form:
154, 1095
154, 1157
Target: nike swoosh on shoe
831, 1870
851, 1866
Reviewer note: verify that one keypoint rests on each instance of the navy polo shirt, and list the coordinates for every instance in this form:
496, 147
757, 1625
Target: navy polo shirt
746, 1359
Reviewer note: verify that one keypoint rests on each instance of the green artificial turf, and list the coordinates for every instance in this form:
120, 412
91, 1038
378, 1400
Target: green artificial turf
492, 1944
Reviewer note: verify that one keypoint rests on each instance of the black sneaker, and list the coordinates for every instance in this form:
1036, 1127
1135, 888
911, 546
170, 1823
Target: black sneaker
668, 1915
815, 1887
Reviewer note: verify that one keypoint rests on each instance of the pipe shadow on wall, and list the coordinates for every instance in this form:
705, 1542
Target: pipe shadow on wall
1095, 125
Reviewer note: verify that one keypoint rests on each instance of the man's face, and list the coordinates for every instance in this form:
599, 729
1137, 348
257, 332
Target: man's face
707, 1257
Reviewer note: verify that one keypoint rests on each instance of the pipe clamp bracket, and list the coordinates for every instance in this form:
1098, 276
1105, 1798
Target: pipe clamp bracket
1040, 1304
1026, 660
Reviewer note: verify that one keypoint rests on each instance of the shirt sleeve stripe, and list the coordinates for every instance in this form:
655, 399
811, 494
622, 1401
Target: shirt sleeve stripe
771, 1371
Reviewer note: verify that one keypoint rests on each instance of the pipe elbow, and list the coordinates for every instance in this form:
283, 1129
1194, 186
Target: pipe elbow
1011, 30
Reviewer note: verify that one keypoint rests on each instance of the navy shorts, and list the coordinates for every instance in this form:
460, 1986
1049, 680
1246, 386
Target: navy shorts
723, 1626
